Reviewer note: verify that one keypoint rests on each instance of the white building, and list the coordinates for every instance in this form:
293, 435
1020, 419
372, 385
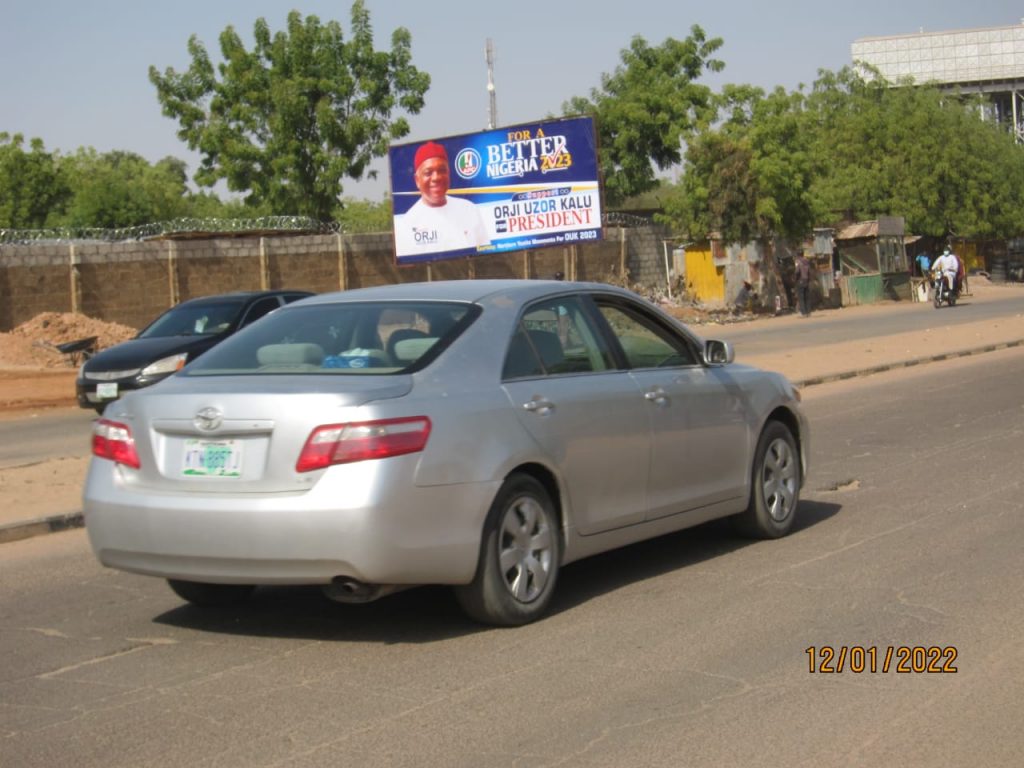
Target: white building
989, 61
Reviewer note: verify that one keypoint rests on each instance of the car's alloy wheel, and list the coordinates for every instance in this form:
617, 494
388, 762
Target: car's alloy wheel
776, 485
519, 558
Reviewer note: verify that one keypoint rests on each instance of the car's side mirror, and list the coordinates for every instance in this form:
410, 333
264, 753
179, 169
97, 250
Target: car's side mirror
718, 352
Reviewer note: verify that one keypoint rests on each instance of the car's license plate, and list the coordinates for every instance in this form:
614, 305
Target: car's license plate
213, 458
106, 390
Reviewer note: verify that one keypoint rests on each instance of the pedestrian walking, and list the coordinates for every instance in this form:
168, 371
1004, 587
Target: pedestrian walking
803, 285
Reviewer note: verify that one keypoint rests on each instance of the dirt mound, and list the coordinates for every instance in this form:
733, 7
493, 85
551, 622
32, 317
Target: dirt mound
33, 344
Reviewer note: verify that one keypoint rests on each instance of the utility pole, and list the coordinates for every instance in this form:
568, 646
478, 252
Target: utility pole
492, 119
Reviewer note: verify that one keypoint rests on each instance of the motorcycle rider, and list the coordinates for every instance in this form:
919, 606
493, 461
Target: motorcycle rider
947, 267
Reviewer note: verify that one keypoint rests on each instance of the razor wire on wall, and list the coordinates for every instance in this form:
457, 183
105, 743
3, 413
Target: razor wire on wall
211, 226
179, 227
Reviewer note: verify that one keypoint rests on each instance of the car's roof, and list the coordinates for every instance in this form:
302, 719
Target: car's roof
469, 291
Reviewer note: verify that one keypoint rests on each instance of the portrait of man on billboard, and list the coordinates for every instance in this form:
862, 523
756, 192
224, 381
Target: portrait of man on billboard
437, 221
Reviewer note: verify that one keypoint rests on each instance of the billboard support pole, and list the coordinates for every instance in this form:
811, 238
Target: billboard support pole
622, 252
342, 264
668, 272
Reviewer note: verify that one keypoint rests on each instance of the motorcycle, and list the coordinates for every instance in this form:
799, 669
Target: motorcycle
942, 292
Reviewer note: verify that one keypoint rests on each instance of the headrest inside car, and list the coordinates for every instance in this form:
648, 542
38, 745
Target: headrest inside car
290, 354
409, 350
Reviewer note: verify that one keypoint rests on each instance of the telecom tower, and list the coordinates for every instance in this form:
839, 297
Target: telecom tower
492, 116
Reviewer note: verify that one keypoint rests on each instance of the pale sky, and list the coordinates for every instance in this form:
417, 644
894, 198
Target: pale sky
75, 72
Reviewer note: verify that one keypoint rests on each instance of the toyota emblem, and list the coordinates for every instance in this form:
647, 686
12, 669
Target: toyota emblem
208, 419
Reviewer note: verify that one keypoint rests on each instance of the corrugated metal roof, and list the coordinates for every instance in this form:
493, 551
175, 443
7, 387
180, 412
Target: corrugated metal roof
858, 231
883, 226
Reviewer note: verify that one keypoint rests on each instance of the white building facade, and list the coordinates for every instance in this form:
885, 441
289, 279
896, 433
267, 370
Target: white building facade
988, 61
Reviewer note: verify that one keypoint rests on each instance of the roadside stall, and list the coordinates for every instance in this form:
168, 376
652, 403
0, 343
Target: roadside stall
873, 261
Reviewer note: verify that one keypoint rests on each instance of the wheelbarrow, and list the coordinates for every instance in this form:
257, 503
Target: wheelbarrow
78, 350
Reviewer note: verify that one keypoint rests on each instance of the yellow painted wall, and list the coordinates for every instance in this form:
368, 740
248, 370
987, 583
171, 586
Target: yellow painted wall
704, 281
968, 253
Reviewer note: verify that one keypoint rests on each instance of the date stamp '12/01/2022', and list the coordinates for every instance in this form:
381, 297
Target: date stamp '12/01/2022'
903, 659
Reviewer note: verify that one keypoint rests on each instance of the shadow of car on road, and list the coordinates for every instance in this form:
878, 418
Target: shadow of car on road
429, 614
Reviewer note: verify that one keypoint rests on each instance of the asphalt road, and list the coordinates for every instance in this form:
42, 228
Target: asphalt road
48, 435
688, 650
834, 326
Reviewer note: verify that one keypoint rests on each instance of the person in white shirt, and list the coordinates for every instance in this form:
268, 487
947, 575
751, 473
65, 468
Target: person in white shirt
948, 266
437, 221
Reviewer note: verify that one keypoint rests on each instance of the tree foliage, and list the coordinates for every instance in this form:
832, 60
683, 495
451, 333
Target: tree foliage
646, 107
748, 177
89, 189
913, 151
365, 216
121, 189
856, 147
285, 122
32, 184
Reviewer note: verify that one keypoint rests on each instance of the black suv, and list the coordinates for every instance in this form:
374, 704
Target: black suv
176, 337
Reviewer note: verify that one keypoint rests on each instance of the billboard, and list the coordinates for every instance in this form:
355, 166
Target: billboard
514, 188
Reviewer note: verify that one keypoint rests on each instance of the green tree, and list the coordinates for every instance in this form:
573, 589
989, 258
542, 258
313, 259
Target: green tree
647, 107
287, 121
855, 147
32, 185
910, 150
207, 205
365, 216
747, 177
121, 189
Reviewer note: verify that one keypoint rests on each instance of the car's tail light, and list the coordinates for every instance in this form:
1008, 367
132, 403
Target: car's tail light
113, 440
358, 441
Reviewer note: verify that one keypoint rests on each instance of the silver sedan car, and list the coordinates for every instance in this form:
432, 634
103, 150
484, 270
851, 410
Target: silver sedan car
479, 433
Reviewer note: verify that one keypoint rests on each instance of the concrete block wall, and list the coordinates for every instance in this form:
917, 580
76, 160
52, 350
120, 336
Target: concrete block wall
645, 255
127, 283
33, 279
132, 282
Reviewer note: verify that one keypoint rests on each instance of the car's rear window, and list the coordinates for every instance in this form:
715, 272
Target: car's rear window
376, 338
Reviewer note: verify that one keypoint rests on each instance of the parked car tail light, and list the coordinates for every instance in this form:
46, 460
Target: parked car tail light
358, 441
113, 440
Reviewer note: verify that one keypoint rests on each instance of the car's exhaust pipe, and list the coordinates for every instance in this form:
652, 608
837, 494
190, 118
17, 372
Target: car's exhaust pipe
344, 589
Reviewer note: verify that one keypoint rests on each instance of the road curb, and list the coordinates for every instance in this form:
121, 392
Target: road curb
844, 375
26, 529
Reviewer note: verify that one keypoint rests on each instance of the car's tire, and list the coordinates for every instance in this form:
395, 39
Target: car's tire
211, 595
775, 485
520, 556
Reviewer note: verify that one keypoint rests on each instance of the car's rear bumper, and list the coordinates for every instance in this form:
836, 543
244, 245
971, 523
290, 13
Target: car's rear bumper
419, 535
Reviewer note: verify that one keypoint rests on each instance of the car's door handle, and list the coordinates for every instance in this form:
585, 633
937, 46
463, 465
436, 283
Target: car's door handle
656, 395
539, 405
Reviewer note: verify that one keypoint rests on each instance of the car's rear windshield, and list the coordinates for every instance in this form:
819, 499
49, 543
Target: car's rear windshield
345, 338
